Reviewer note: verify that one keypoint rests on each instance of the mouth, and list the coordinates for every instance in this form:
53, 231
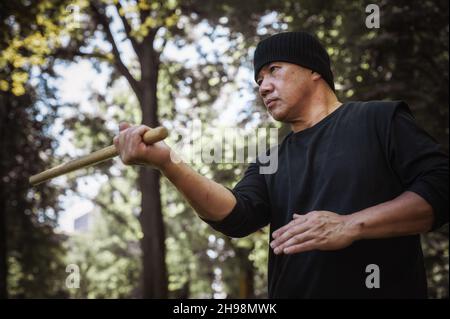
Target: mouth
271, 102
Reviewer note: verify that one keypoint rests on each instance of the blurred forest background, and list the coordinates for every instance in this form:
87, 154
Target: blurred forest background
144, 241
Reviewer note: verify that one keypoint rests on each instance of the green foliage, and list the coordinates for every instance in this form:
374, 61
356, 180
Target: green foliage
30, 252
108, 255
407, 58
30, 32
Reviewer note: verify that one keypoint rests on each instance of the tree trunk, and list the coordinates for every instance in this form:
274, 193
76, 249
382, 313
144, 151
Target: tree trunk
3, 252
246, 275
3, 236
154, 277
3, 255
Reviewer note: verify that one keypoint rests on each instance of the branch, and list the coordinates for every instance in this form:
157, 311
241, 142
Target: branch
143, 14
127, 28
104, 21
67, 54
162, 48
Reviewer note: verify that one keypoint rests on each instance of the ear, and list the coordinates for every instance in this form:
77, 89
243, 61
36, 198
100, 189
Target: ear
315, 76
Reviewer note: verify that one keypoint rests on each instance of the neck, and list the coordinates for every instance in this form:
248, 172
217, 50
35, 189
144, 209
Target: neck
317, 108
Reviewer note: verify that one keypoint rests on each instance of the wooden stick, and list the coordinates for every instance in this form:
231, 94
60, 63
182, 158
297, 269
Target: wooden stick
152, 136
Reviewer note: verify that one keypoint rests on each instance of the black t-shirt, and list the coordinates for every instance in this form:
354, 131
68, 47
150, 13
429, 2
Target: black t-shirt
361, 155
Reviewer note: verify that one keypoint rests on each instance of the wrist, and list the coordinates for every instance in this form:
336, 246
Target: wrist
353, 226
161, 158
166, 166
170, 165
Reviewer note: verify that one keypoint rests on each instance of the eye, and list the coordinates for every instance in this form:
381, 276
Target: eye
273, 68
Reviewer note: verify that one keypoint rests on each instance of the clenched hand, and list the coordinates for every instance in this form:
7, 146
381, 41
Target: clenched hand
133, 150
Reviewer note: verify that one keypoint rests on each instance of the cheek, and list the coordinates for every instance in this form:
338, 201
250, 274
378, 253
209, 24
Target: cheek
292, 94
300, 88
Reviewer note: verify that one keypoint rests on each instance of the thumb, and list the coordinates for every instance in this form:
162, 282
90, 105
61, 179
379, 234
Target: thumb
123, 126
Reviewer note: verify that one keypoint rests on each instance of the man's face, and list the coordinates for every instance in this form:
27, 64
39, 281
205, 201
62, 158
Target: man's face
284, 88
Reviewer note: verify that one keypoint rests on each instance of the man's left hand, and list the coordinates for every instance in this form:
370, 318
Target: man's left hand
322, 230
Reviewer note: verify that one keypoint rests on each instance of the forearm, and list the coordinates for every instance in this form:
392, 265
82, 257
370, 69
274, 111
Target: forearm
407, 214
209, 199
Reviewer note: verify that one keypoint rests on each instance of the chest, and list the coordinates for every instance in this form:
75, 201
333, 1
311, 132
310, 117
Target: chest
325, 167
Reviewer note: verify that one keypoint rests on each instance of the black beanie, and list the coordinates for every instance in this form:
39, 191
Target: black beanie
294, 47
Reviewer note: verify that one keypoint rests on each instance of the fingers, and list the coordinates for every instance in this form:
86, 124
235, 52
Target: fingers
294, 234
130, 143
123, 126
135, 135
296, 239
281, 230
300, 248
141, 130
323, 230
128, 132
296, 220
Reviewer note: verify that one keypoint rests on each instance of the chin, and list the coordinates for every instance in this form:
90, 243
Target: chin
278, 116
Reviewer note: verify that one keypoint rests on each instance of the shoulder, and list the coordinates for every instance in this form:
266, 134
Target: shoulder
377, 113
377, 107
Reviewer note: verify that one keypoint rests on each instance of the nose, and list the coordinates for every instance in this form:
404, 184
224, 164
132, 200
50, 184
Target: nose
265, 87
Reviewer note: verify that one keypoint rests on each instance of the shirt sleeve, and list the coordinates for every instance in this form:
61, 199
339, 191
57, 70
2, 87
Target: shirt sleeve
252, 209
419, 162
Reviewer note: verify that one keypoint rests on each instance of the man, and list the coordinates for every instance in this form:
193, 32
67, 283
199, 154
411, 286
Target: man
355, 186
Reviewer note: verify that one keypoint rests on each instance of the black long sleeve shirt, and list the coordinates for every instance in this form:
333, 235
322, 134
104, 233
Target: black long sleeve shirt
361, 155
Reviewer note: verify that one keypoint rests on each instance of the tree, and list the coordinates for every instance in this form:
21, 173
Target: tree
31, 254
367, 63
148, 27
